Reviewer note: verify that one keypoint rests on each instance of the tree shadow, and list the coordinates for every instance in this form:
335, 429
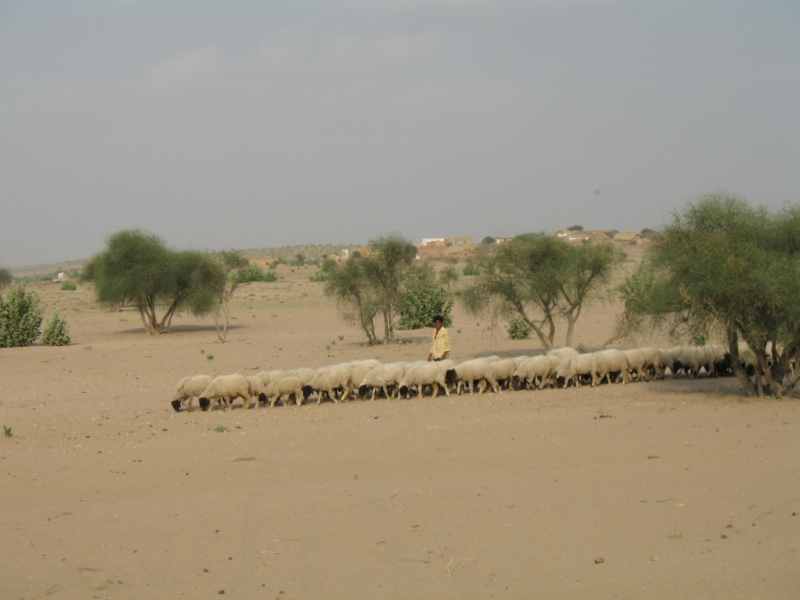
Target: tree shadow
182, 329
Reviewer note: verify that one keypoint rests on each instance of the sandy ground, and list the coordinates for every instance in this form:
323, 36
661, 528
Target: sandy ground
670, 489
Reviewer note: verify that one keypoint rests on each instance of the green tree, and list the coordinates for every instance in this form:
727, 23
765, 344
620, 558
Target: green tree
234, 267
355, 297
137, 268
422, 299
385, 269
539, 279
723, 268
20, 318
575, 228
5, 279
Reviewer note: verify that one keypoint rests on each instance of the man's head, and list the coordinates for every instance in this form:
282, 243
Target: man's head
438, 321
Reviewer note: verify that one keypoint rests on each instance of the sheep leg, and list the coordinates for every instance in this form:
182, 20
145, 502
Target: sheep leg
273, 401
189, 404
332, 394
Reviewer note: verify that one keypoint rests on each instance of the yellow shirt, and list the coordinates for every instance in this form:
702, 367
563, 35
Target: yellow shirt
441, 343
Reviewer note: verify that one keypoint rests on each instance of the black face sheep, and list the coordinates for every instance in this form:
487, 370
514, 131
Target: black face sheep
329, 379
637, 364
259, 383
420, 374
291, 387
359, 370
573, 368
503, 372
613, 363
382, 377
470, 371
535, 368
187, 389
225, 388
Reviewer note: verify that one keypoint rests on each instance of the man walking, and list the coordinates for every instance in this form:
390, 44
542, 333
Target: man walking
440, 348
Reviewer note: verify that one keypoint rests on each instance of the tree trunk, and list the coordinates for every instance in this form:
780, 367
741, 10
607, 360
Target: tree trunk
570, 329
736, 365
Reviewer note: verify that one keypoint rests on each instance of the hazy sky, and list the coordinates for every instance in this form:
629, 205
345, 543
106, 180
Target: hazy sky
243, 124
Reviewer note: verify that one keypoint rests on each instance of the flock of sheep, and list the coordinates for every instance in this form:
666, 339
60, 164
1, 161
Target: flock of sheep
358, 379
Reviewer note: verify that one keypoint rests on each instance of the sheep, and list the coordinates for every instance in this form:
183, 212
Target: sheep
694, 358
530, 369
503, 372
224, 389
260, 381
382, 377
420, 374
653, 365
637, 361
613, 361
572, 368
358, 370
477, 369
667, 360
563, 352
187, 389
285, 386
304, 374
518, 360
328, 379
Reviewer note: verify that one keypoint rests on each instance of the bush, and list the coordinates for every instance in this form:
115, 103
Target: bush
422, 299
471, 270
5, 278
57, 332
68, 286
20, 318
255, 273
319, 275
518, 329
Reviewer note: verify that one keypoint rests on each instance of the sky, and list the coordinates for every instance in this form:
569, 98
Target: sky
254, 124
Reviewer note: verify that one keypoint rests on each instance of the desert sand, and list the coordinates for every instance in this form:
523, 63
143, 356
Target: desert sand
667, 489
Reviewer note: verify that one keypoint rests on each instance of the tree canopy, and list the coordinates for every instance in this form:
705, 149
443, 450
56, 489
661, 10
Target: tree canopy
137, 268
540, 279
724, 268
5, 278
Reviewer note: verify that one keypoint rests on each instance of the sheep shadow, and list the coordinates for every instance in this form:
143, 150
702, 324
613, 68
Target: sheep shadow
181, 329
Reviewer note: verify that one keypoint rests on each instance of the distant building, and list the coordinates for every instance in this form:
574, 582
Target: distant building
502, 240
631, 237
458, 241
434, 242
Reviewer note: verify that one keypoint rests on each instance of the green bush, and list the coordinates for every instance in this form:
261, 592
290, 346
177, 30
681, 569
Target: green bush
57, 332
319, 275
471, 270
518, 329
68, 286
20, 318
255, 273
422, 299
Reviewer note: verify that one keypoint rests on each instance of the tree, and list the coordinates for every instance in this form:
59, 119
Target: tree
57, 332
540, 278
233, 264
575, 228
20, 318
723, 268
138, 269
5, 278
301, 259
488, 240
422, 299
385, 269
354, 295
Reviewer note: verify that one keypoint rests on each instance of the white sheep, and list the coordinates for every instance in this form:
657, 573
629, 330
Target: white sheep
259, 383
653, 364
470, 371
637, 362
518, 360
420, 374
503, 372
382, 377
563, 352
613, 361
329, 379
187, 389
224, 389
573, 368
285, 386
358, 370
536, 367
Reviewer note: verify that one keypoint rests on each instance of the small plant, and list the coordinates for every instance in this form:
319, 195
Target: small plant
518, 329
675, 533
220, 429
581, 349
57, 332
470, 270
328, 347
333, 343
209, 357
341, 337
68, 286
7, 431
